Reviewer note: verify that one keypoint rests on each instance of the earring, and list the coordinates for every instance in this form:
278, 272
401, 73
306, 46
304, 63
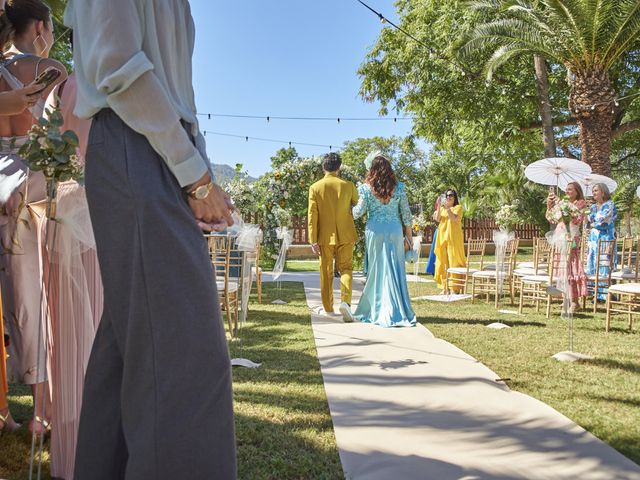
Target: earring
40, 41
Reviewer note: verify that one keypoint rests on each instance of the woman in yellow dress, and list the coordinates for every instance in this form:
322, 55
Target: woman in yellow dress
450, 242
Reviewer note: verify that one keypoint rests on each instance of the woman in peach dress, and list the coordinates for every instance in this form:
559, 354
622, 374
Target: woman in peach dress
75, 298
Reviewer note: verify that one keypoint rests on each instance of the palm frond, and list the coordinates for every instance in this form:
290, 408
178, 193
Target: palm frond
570, 12
509, 31
501, 56
627, 32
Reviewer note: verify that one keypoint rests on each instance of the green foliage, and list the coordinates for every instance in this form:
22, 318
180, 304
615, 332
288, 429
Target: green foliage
284, 156
52, 152
579, 34
485, 132
61, 49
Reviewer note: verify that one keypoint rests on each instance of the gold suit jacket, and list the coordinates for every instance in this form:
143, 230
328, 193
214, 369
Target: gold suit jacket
330, 218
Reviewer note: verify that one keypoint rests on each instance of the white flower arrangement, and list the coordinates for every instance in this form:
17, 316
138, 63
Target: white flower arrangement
507, 216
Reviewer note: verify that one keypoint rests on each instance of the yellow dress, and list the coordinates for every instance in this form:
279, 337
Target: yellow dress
449, 244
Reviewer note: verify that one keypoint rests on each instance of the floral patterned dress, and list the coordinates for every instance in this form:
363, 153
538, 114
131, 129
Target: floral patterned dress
602, 219
577, 277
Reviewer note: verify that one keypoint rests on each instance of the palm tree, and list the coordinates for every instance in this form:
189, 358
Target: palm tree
588, 37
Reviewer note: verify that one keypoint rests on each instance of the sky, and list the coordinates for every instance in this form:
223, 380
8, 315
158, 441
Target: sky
284, 58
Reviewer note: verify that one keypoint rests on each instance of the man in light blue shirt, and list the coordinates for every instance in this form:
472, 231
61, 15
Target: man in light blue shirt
157, 399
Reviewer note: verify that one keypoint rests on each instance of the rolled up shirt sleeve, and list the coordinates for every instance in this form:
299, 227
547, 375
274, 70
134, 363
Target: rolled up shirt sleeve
114, 61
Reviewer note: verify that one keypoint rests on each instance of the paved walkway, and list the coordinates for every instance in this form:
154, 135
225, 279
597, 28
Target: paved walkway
406, 405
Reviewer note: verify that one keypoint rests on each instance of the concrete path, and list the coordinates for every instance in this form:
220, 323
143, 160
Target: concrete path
406, 405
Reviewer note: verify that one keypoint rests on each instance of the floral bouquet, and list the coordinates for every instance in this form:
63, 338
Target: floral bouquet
53, 153
507, 216
564, 212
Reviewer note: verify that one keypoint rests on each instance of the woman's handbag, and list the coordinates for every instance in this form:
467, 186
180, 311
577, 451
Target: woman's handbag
407, 245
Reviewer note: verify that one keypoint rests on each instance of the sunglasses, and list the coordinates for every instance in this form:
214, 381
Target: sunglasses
451, 195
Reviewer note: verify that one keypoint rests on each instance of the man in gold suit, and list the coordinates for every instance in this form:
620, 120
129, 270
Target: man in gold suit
332, 232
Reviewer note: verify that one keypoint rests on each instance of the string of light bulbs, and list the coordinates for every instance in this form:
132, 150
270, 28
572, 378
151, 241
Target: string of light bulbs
246, 138
268, 118
615, 101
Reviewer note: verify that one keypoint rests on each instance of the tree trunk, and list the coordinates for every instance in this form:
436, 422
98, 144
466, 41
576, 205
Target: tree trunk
627, 222
542, 83
592, 104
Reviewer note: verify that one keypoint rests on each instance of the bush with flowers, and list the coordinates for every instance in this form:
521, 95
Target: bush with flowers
287, 188
245, 195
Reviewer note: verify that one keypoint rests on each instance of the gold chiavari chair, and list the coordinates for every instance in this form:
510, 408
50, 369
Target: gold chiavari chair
540, 288
627, 267
623, 298
600, 281
541, 256
220, 247
489, 282
460, 277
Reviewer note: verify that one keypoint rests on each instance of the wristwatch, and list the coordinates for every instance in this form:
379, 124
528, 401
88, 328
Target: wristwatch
201, 192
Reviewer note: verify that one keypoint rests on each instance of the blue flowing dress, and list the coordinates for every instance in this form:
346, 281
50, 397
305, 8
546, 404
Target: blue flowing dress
431, 262
603, 223
385, 299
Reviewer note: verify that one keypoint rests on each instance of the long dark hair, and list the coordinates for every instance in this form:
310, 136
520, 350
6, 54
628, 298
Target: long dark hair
17, 17
382, 178
455, 196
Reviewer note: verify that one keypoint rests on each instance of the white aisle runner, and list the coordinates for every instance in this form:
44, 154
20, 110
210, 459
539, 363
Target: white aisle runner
406, 406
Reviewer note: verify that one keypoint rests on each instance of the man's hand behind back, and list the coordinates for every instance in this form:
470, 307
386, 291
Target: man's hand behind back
214, 212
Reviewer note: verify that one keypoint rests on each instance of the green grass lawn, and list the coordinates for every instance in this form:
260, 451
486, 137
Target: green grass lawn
284, 429
602, 395
283, 425
312, 265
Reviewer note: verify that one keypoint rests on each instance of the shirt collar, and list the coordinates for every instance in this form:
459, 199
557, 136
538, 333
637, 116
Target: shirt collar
330, 174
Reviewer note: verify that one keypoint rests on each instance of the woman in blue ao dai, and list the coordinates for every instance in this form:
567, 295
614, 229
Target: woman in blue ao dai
385, 299
602, 219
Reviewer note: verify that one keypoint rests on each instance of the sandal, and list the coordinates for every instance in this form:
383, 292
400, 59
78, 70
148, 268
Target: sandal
44, 426
8, 423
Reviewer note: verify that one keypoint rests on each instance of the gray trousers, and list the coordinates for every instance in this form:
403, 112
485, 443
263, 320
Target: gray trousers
157, 397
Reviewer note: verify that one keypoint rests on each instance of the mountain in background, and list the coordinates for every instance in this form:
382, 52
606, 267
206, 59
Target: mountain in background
225, 173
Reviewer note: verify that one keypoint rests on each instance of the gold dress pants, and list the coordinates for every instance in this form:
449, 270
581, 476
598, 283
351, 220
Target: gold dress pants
343, 256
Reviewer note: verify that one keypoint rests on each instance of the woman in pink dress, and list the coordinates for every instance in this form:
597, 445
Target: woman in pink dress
75, 298
577, 276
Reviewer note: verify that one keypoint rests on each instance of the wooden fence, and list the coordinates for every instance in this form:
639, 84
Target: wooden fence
472, 228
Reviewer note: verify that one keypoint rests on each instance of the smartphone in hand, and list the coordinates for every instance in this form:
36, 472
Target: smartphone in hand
46, 79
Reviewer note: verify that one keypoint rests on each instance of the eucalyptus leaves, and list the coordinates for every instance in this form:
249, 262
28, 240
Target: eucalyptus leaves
52, 152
